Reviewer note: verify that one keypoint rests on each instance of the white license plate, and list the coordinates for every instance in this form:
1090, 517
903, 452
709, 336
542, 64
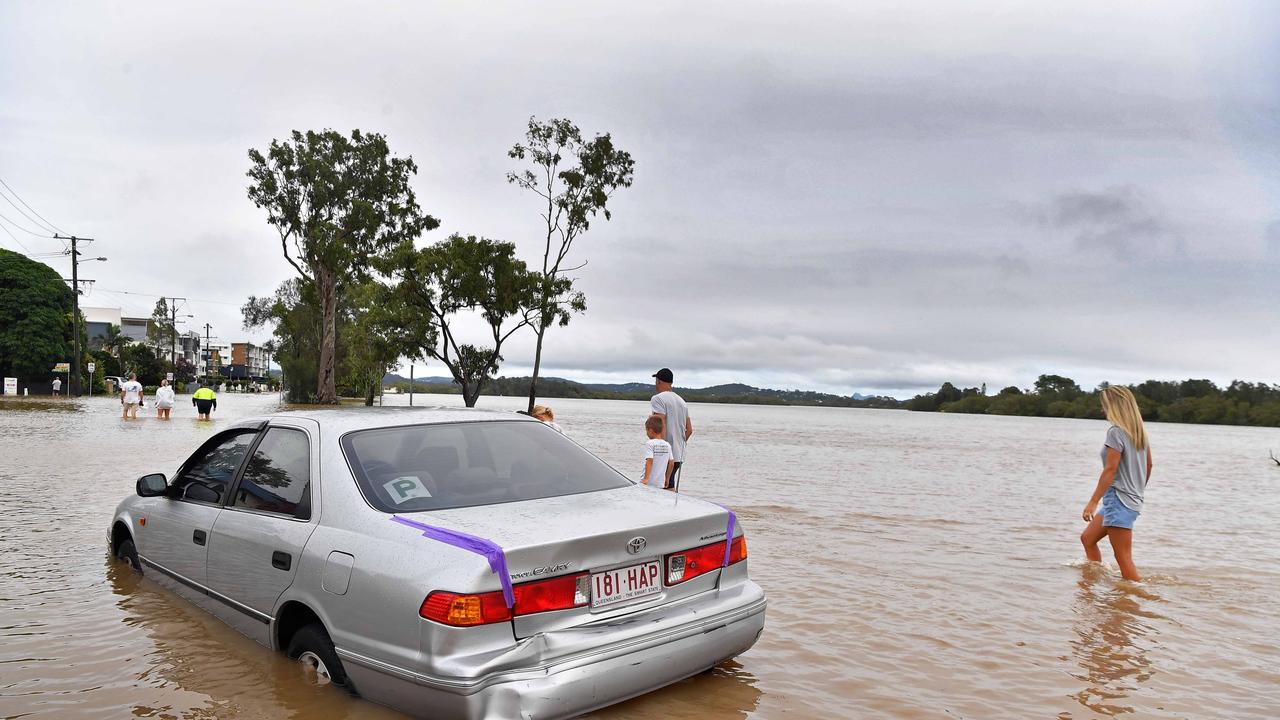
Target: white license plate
628, 583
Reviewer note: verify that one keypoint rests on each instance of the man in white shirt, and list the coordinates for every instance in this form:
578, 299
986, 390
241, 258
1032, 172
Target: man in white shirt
676, 423
57, 386
131, 396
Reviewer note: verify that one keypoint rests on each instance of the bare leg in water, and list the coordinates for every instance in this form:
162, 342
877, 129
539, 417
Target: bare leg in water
1121, 545
1092, 535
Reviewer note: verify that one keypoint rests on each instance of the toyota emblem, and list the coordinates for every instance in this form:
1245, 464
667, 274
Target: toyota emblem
636, 544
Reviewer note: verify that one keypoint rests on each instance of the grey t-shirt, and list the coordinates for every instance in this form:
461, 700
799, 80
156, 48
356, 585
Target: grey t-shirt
677, 412
1131, 476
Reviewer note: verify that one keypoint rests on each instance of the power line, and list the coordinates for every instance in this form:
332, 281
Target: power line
56, 229
15, 239
153, 295
48, 237
23, 212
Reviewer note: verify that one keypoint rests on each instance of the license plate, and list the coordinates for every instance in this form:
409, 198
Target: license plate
615, 586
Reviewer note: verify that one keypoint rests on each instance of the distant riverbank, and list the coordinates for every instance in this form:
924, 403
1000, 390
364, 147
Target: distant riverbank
1187, 401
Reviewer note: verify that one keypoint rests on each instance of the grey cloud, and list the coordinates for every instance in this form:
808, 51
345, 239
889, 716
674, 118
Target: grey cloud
1121, 221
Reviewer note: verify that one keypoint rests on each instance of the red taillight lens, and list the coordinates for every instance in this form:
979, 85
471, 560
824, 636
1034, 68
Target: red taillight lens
690, 564
465, 610
558, 593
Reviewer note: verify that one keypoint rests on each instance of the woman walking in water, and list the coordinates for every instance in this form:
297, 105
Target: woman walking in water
1126, 467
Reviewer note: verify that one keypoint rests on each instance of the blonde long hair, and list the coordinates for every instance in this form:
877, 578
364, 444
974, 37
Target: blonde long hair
1121, 409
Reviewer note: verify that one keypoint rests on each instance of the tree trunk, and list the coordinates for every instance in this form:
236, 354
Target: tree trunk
471, 392
368, 398
326, 384
537, 365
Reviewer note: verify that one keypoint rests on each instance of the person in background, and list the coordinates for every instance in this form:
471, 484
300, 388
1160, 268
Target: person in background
205, 400
678, 428
57, 386
544, 413
657, 454
1126, 468
131, 396
164, 400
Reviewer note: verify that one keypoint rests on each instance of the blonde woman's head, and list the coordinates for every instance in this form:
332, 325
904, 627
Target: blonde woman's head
543, 413
1121, 409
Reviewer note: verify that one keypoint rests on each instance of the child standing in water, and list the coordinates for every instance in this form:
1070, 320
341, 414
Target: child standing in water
1126, 468
657, 454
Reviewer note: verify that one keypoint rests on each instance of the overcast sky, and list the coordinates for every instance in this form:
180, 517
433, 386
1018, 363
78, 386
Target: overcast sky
869, 197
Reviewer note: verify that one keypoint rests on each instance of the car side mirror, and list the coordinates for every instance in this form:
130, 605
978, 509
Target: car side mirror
152, 485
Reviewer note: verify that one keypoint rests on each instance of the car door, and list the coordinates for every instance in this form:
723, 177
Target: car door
257, 541
175, 538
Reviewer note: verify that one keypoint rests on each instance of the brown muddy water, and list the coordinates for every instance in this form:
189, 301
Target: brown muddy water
917, 565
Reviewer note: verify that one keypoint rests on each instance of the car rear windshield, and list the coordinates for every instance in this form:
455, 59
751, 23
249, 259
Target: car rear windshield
433, 467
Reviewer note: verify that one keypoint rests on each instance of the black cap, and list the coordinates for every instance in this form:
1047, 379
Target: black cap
665, 375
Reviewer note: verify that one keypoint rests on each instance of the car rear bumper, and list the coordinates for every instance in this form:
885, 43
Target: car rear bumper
589, 667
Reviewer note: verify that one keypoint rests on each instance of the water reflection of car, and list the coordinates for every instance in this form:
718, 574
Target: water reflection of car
370, 545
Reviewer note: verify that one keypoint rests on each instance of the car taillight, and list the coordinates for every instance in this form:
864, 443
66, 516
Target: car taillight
558, 593
690, 564
465, 610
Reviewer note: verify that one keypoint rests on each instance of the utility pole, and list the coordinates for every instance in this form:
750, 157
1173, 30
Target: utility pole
75, 316
173, 333
208, 350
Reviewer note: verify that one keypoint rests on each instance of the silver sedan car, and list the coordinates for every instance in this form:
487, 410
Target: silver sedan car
447, 563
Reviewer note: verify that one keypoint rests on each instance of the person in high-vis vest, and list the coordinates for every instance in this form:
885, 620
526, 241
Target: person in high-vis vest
205, 400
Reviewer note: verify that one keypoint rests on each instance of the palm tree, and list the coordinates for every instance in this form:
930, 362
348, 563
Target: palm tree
114, 340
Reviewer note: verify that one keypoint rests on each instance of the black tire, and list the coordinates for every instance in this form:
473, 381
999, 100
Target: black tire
126, 552
314, 640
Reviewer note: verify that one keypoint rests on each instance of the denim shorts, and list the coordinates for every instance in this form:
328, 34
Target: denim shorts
1114, 512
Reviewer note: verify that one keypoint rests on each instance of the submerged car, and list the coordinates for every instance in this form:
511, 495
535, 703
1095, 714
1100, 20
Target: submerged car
447, 563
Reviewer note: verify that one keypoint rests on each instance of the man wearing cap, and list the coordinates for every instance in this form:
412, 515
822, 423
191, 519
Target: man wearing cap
676, 426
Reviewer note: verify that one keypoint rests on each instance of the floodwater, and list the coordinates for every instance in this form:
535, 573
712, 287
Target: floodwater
917, 565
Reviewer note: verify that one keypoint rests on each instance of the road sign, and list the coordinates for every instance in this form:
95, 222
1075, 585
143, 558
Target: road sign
11, 386
92, 367
169, 376
62, 367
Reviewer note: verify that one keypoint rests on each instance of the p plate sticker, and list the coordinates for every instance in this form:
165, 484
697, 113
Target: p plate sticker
406, 488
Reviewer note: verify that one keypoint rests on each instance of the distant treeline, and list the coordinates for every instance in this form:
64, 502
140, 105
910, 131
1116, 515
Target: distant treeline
1189, 401
733, 393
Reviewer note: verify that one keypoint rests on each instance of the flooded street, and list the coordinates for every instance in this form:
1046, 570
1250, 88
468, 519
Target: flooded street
917, 565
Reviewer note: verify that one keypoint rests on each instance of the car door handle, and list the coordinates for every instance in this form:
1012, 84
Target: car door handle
281, 560
198, 537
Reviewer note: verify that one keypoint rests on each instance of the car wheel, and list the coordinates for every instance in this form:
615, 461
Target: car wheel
312, 647
128, 553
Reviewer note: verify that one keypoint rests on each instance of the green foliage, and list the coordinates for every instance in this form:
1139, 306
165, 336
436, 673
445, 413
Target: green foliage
293, 314
376, 329
1190, 401
141, 359
465, 275
160, 331
35, 318
575, 179
338, 205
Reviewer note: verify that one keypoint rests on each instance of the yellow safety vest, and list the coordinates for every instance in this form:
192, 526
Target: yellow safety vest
204, 394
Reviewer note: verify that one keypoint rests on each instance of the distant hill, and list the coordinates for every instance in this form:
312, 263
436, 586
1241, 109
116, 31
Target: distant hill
552, 387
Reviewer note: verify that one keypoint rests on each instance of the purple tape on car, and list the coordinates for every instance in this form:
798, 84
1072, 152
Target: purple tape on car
478, 545
728, 535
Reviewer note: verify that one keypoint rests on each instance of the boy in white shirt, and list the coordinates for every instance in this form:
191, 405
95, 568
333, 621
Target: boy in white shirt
657, 454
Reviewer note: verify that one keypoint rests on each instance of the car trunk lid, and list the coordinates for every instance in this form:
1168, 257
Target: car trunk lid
629, 530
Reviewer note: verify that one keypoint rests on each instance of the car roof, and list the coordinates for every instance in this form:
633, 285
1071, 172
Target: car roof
345, 419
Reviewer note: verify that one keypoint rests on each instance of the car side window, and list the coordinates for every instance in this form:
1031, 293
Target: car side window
206, 478
277, 478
